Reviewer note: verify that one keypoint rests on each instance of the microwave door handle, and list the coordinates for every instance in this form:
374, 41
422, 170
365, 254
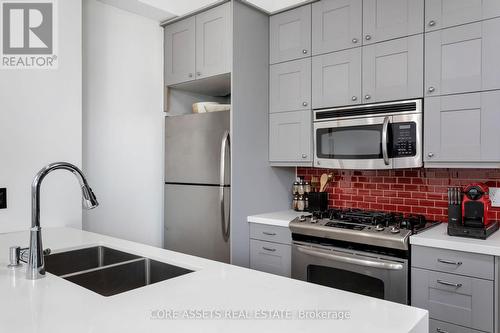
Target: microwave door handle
385, 132
225, 144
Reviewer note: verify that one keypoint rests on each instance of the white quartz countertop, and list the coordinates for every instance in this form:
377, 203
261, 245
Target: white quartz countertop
54, 305
280, 219
439, 238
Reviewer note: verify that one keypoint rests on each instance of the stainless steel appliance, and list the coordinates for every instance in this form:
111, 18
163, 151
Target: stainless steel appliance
359, 251
372, 136
197, 185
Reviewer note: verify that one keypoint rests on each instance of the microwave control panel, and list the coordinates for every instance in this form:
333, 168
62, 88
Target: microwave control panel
404, 137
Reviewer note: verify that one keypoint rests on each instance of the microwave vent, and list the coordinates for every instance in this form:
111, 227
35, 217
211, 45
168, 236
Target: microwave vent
366, 110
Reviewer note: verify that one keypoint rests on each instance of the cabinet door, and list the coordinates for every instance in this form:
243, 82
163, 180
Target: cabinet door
180, 51
462, 128
290, 86
463, 59
213, 41
447, 13
271, 257
290, 35
336, 25
336, 79
388, 19
290, 136
393, 70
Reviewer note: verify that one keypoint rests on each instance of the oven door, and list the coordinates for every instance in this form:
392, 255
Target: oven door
359, 272
361, 143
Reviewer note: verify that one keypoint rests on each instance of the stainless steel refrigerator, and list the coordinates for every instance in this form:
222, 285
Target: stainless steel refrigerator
197, 185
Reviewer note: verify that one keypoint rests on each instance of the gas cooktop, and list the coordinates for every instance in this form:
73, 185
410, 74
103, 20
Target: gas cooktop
383, 229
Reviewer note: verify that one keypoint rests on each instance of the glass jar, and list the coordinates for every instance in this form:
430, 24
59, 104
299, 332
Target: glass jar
301, 203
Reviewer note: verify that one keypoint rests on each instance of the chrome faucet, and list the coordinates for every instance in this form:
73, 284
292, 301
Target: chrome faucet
36, 265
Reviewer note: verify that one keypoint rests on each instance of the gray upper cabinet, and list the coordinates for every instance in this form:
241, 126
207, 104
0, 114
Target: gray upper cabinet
447, 118
180, 51
336, 25
290, 35
336, 79
388, 19
213, 41
290, 86
445, 13
290, 137
463, 59
393, 70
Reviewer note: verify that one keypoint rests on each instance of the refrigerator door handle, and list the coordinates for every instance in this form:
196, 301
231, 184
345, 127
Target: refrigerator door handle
225, 144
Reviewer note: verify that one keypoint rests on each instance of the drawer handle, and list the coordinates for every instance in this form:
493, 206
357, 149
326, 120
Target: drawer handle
450, 284
440, 330
268, 249
450, 262
269, 233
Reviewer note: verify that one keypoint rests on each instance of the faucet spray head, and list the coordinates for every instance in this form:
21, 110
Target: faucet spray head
89, 200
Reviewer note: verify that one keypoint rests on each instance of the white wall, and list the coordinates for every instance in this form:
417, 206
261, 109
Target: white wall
123, 122
40, 122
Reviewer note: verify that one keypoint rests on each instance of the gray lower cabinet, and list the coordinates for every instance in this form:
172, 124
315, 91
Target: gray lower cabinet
290, 86
457, 288
270, 249
463, 59
389, 19
290, 138
336, 25
393, 70
336, 79
444, 13
447, 118
290, 35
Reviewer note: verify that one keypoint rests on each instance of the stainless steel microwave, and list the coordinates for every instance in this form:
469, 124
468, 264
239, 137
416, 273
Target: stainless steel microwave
371, 136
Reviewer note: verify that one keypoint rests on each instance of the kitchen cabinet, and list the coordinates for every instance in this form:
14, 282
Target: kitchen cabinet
290, 137
336, 25
270, 249
199, 46
290, 35
444, 13
336, 79
463, 59
389, 19
290, 86
180, 51
393, 70
462, 128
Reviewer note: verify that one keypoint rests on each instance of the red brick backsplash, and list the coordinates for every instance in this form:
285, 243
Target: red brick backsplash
418, 191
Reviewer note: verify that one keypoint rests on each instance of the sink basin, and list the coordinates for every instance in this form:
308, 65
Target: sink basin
124, 277
109, 272
83, 259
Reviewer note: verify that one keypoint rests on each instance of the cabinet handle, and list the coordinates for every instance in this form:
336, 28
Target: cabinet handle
304, 51
444, 261
304, 103
367, 97
304, 156
432, 155
190, 74
431, 89
432, 23
268, 249
439, 330
198, 73
354, 98
354, 40
269, 233
450, 284
368, 37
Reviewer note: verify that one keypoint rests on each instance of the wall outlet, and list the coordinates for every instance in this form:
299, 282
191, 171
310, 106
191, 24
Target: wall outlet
3, 198
495, 196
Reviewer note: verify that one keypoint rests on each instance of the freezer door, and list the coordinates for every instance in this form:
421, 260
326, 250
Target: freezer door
193, 223
193, 148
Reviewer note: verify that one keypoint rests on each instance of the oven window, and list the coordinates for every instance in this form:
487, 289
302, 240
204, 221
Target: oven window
346, 280
356, 142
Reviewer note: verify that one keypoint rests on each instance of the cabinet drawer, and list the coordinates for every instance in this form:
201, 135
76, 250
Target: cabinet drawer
271, 257
270, 233
456, 262
458, 299
436, 326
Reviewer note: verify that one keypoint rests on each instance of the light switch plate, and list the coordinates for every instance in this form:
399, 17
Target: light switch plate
495, 196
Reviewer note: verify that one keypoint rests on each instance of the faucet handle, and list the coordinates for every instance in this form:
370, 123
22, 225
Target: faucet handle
14, 256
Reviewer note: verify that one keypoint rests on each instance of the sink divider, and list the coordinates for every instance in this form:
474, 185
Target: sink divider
112, 265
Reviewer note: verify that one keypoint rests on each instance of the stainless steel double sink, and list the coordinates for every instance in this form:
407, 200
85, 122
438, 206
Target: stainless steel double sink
109, 272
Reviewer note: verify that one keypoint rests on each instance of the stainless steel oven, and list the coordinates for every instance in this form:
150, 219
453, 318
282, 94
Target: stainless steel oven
366, 273
373, 136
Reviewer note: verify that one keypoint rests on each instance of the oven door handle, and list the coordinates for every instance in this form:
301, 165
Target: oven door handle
350, 259
385, 132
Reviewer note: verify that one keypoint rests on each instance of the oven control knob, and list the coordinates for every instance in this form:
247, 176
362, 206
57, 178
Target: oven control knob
302, 218
394, 230
379, 227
